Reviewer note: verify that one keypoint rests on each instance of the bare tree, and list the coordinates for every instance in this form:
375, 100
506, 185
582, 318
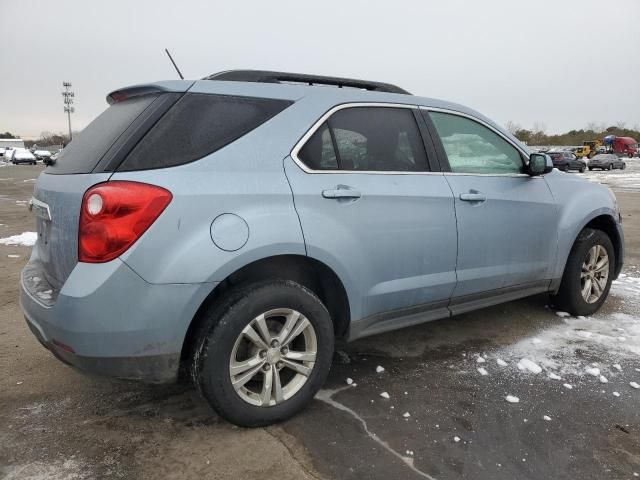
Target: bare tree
512, 127
593, 126
621, 124
538, 133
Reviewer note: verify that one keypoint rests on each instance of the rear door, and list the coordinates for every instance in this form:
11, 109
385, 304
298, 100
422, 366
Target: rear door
372, 209
507, 220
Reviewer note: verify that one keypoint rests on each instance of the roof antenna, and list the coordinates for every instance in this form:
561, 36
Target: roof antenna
174, 64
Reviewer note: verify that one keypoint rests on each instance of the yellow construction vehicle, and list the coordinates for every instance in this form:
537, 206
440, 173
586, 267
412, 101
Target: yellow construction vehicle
591, 146
583, 151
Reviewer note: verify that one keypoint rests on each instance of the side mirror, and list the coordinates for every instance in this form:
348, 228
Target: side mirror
539, 164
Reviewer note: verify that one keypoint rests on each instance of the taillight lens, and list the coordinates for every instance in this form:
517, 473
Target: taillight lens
114, 215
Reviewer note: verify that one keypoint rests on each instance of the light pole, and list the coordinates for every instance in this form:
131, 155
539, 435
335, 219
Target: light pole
68, 102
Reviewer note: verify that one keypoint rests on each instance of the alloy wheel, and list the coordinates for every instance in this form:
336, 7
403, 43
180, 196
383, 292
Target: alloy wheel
273, 357
594, 274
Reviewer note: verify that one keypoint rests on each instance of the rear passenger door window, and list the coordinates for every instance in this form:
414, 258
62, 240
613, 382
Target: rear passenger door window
373, 139
474, 148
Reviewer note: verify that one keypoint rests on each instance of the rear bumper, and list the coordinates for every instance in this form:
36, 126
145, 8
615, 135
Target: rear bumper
108, 321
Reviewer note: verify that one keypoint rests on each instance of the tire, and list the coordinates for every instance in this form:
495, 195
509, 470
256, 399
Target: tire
221, 337
610, 167
624, 165
590, 169
582, 169
569, 297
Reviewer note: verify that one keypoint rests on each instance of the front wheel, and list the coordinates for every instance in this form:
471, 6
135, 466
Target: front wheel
582, 169
263, 353
588, 274
610, 166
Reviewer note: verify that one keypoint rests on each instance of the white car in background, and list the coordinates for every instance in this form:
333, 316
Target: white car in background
8, 153
42, 154
23, 156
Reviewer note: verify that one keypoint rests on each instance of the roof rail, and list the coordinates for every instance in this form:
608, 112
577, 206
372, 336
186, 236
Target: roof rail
264, 76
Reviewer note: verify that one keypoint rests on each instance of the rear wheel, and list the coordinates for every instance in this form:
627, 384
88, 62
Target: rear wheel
610, 166
590, 169
587, 274
263, 353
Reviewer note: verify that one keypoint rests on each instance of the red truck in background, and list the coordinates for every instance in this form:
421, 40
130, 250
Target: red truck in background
622, 146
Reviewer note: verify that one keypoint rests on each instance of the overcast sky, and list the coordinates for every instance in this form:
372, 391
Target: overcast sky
563, 63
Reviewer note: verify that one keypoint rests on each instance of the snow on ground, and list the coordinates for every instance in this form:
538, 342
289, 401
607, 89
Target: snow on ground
527, 365
608, 337
624, 180
26, 239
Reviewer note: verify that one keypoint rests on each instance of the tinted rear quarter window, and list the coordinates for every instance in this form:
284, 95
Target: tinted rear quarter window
318, 153
198, 125
88, 146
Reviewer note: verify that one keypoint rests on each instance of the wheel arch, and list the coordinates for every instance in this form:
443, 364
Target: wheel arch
606, 222
309, 272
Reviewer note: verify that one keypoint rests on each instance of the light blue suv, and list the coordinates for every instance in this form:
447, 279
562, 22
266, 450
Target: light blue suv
233, 227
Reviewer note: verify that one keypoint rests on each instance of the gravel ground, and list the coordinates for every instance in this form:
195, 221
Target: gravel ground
446, 415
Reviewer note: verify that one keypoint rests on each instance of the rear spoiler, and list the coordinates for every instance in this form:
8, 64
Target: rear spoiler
170, 86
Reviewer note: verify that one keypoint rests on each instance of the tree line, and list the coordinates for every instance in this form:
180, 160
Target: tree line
594, 131
46, 139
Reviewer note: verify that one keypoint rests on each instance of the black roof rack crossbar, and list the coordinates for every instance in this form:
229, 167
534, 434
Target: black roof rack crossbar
263, 76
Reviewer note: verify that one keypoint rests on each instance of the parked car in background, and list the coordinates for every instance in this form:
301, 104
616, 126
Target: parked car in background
607, 161
236, 226
8, 153
23, 156
41, 154
566, 161
2, 150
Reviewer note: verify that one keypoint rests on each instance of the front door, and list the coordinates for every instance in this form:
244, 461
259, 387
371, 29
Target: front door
371, 209
507, 220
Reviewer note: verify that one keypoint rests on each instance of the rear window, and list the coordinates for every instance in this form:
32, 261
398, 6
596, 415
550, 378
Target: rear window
88, 146
198, 125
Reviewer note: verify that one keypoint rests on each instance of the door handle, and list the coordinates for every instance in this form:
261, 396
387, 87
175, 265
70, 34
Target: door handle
473, 197
341, 193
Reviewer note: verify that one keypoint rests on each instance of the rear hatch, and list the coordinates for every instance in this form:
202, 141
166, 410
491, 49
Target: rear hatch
556, 158
89, 159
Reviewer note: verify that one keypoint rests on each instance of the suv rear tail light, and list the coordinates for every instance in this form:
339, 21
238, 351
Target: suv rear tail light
114, 215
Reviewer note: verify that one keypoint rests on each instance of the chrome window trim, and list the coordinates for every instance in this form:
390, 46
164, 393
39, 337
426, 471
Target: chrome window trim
493, 129
298, 146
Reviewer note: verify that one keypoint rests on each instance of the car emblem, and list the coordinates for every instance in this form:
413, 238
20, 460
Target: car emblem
40, 209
